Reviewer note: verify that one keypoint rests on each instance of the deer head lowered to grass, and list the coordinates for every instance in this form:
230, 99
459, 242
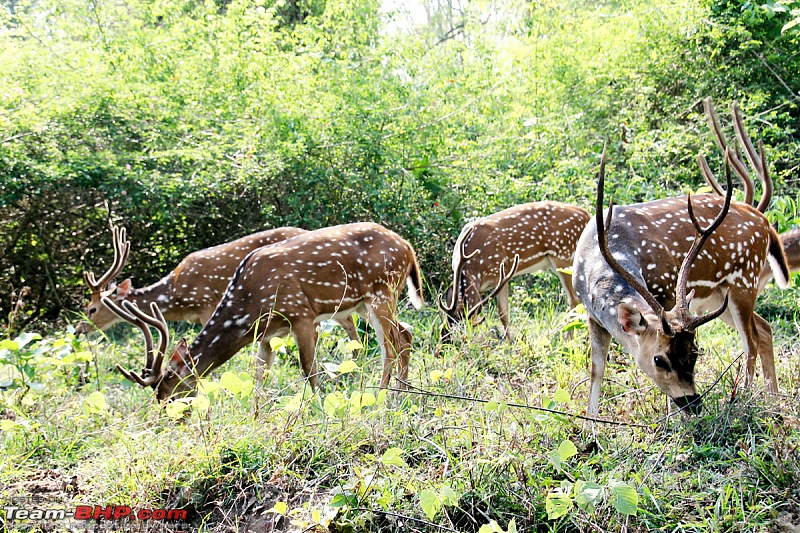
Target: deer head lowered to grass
190, 292
642, 260
288, 288
540, 235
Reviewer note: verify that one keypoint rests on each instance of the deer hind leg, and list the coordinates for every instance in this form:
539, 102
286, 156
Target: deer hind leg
599, 342
502, 310
382, 318
305, 335
566, 281
740, 315
766, 353
349, 327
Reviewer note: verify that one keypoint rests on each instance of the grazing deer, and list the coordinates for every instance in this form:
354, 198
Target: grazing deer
541, 235
190, 292
790, 239
643, 258
288, 288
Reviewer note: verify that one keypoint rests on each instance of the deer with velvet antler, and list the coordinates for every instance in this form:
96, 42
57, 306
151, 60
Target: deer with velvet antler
189, 293
790, 239
490, 251
288, 288
643, 259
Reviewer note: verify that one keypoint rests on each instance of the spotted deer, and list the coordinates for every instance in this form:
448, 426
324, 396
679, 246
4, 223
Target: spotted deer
541, 235
642, 260
190, 292
289, 287
789, 239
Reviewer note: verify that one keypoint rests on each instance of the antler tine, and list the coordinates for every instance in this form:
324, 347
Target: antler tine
464, 256
504, 278
122, 248
151, 374
722, 143
602, 239
758, 161
708, 175
681, 298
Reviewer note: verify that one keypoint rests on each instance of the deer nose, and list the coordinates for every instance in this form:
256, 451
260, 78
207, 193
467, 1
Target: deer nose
691, 404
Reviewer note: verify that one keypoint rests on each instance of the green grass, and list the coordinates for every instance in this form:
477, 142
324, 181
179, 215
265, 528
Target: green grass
464, 449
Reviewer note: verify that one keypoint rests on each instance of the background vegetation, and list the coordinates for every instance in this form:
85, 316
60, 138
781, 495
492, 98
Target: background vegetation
198, 122
192, 123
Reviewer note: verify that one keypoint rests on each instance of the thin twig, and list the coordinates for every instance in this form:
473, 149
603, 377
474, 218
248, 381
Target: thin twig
423, 392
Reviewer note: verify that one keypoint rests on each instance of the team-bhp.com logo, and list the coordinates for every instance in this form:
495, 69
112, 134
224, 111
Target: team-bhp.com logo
95, 512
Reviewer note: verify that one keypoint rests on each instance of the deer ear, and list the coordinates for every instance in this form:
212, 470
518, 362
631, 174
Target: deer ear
631, 319
124, 289
179, 355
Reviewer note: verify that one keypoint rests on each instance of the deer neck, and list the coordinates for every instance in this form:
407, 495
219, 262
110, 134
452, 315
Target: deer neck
159, 292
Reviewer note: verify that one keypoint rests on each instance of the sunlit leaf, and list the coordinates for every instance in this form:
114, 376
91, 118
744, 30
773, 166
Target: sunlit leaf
393, 457
624, 498
430, 503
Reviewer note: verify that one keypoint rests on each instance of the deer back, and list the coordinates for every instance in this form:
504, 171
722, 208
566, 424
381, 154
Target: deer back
191, 291
538, 232
327, 273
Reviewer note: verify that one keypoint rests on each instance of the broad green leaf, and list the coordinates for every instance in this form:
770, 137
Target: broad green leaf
176, 409
352, 345
279, 507
207, 387
95, 403
566, 450
624, 498
491, 405
491, 527
561, 396
334, 404
8, 425
587, 494
231, 383
276, 343
557, 505
381, 396
512, 526
201, 403
297, 402
393, 457
367, 399
10, 345
24, 338
430, 503
448, 496
448, 374
436, 375
347, 366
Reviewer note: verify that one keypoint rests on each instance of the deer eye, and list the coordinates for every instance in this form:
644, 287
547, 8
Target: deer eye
661, 362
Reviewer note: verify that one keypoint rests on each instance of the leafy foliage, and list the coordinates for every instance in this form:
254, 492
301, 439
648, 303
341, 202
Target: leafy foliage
196, 123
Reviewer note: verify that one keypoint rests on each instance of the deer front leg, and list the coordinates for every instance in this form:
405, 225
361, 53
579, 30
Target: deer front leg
599, 341
502, 310
305, 335
265, 357
766, 353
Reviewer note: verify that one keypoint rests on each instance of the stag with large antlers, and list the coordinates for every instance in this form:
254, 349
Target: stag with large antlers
627, 272
791, 238
190, 292
288, 288
529, 238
